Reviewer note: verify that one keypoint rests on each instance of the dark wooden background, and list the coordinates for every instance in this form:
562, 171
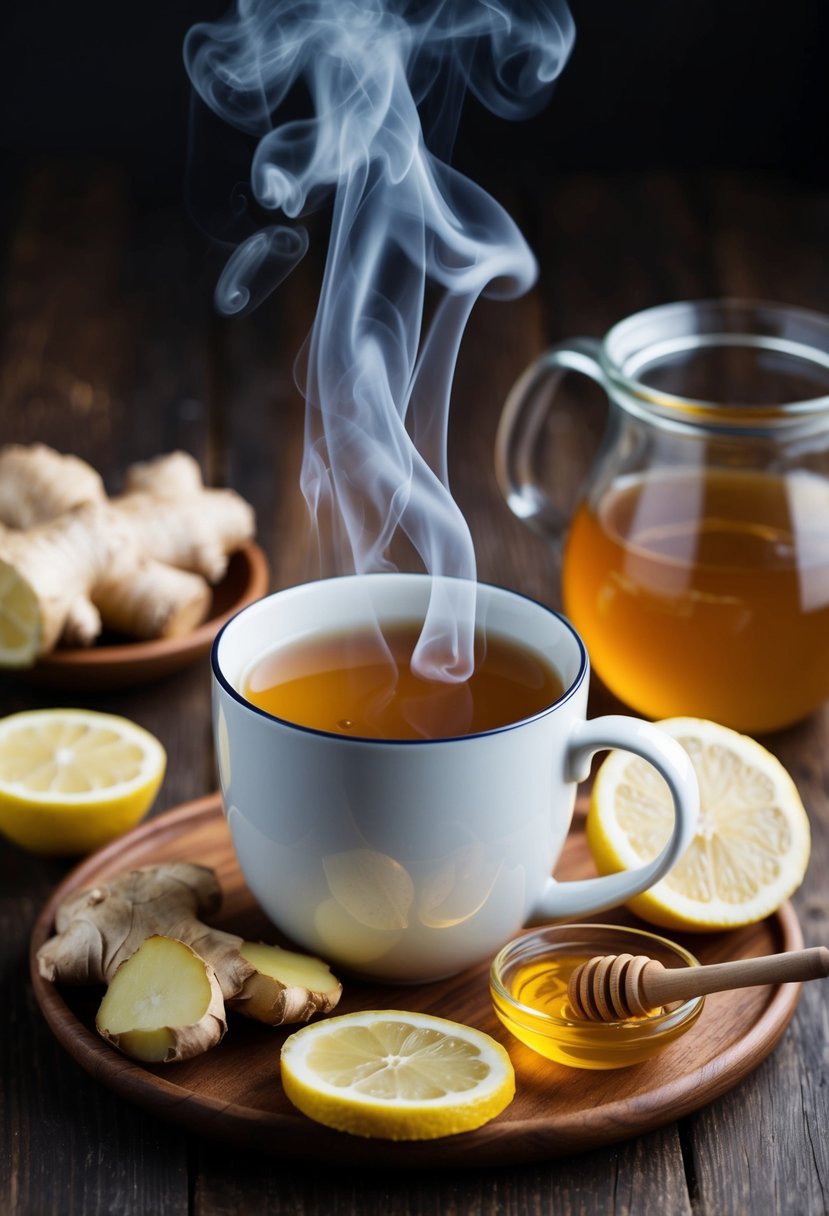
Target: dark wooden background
109, 348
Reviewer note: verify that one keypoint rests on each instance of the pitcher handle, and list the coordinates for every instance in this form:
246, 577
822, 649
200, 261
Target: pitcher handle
521, 421
561, 900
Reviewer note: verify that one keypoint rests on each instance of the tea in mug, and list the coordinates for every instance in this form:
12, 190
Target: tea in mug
361, 684
706, 594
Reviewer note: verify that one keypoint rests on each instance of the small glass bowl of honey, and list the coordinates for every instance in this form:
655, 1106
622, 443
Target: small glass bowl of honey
528, 984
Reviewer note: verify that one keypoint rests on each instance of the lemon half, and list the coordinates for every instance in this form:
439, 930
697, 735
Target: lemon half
396, 1075
73, 779
752, 844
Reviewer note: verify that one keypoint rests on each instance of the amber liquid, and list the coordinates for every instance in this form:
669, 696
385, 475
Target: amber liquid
706, 595
540, 988
542, 985
361, 684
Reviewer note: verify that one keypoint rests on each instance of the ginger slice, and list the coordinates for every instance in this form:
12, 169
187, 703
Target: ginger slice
285, 986
164, 1004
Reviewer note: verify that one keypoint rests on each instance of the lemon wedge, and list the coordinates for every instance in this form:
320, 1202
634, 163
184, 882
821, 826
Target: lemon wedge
396, 1075
752, 844
73, 779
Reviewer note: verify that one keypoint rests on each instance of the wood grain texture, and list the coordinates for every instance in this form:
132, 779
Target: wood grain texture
232, 1092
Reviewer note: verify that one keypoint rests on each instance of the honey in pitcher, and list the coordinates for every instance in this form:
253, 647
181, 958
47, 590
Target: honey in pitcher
706, 594
361, 684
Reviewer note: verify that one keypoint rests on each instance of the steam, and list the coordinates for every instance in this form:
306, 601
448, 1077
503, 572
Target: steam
386, 79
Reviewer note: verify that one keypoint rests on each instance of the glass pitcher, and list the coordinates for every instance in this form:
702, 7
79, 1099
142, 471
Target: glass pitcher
696, 561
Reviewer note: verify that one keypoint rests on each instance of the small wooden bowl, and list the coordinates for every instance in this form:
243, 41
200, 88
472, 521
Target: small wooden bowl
120, 664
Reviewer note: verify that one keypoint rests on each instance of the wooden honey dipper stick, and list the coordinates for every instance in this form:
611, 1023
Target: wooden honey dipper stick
612, 987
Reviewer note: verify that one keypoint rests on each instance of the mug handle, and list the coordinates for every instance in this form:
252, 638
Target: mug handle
567, 899
521, 421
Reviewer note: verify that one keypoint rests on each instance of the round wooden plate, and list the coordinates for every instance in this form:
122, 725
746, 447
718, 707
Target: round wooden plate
233, 1093
123, 664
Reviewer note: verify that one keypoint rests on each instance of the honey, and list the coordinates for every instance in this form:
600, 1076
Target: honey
706, 594
529, 983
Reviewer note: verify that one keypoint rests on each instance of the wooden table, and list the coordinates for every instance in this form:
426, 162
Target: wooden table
111, 350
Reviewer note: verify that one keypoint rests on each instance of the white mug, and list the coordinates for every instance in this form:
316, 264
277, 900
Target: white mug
408, 861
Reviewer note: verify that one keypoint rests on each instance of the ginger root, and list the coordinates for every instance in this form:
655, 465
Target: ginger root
164, 1004
285, 986
99, 931
37, 483
73, 561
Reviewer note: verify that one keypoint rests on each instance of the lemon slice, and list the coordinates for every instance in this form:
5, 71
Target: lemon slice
752, 844
396, 1075
72, 779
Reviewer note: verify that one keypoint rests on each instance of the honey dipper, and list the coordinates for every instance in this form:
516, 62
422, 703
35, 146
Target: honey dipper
613, 987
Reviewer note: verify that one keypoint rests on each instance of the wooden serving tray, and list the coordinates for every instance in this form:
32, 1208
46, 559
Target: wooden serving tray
233, 1092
